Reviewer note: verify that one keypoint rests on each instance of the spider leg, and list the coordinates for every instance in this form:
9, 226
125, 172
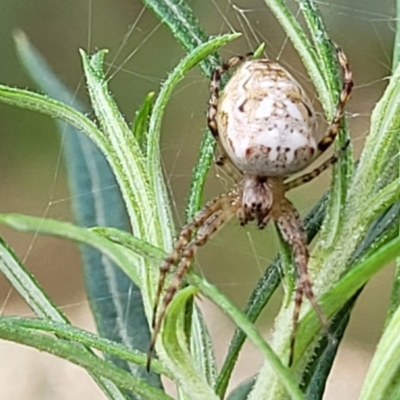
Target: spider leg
199, 219
208, 220
214, 90
298, 300
292, 229
317, 171
334, 127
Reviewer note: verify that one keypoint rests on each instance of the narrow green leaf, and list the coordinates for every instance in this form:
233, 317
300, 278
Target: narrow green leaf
201, 345
346, 287
175, 344
179, 18
141, 123
126, 240
258, 52
129, 164
318, 370
27, 286
153, 154
24, 223
382, 380
395, 293
376, 166
242, 391
199, 174
282, 372
79, 356
381, 232
37, 299
343, 171
322, 44
69, 332
117, 317
44, 105
154, 166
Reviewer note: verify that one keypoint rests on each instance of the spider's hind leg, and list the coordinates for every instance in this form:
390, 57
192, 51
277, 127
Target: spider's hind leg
215, 88
292, 230
187, 231
207, 221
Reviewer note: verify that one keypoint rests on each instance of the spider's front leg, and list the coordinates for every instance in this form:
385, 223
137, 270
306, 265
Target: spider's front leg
334, 127
215, 88
207, 221
221, 160
211, 208
293, 232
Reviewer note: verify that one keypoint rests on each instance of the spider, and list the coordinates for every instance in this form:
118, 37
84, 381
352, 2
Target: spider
264, 126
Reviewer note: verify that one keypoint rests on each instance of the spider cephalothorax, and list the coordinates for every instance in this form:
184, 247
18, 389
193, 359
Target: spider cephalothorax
259, 198
264, 125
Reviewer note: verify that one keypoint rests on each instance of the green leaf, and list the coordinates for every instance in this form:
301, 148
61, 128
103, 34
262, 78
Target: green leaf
283, 373
79, 356
382, 379
37, 299
328, 64
175, 344
347, 286
118, 317
88, 339
118, 254
318, 370
395, 293
26, 285
179, 18
141, 124
128, 241
242, 391
128, 161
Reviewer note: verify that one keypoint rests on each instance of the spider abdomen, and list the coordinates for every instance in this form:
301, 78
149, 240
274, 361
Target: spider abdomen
265, 121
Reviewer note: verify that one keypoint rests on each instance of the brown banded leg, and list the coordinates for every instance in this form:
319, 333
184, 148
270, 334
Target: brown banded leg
292, 230
207, 221
298, 300
214, 90
317, 171
187, 231
334, 127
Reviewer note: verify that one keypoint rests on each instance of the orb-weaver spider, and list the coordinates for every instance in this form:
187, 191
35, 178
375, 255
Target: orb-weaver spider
264, 125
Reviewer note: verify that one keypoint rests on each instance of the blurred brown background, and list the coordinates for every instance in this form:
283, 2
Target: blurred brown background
32, 177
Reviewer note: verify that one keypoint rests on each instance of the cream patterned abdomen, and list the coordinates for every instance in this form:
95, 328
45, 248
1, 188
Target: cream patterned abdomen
271, 122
